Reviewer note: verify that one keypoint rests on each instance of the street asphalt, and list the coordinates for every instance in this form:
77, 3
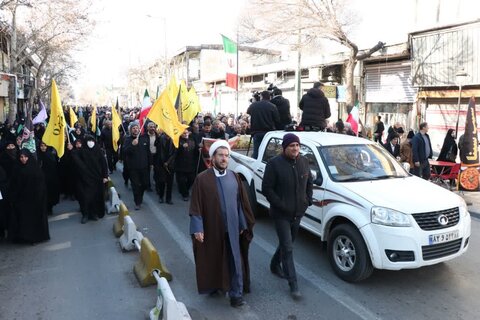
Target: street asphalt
81, 273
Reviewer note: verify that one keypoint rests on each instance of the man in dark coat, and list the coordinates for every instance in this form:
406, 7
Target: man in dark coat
221, 225
164, 166
264, 117
421, 152
378, 130
92, 175
288, 186
137, 154
283, 107
315, 107
392, 145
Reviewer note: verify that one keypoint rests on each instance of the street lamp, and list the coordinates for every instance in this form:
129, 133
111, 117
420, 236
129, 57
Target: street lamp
460, 77
164, 44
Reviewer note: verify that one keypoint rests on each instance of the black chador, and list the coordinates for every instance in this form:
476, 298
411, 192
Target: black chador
92, 169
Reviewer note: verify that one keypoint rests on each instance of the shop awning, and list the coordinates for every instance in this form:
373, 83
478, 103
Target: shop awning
422, 94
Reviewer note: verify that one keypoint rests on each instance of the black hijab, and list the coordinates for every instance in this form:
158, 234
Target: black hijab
449, 145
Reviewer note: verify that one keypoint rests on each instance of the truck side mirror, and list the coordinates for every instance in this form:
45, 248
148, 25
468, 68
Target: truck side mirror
316, 177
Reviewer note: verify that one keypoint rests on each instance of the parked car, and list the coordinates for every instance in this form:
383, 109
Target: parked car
371, 212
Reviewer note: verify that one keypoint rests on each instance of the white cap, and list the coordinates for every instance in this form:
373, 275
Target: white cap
217, 144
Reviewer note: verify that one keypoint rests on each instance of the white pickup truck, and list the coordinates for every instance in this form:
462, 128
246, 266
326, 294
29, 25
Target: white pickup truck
369, 209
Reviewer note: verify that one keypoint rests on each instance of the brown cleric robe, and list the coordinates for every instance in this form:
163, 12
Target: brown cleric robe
211, 260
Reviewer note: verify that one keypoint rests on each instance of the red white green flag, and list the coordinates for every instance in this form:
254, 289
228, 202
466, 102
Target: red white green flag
231, 53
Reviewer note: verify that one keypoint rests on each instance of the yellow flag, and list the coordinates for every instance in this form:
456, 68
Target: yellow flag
183, 93
116, 123
55, 132
163, 113
173, 89
93, 120
191, 107
73, 118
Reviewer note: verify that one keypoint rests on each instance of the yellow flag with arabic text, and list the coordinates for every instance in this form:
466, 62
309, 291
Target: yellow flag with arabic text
73, 118
116, 123
173, 89
191, 107
93, 120
54, 135
163, 113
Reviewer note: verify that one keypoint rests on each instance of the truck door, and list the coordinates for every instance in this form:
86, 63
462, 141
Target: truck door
314, 216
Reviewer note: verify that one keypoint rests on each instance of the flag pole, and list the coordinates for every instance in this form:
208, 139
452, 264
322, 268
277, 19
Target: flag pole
238, 76
68, 134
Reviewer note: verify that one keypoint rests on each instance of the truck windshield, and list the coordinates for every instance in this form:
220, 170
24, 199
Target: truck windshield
360, 162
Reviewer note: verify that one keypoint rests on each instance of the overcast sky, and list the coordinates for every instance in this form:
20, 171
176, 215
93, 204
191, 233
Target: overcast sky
126, 36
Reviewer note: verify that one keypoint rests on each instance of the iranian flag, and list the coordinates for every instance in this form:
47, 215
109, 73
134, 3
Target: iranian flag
231, 53
146, 106
146, 100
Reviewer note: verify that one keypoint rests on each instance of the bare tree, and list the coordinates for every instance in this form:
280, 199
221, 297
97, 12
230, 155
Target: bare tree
47, 34
301, 24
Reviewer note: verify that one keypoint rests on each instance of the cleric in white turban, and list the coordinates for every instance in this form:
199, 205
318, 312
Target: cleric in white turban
221, 226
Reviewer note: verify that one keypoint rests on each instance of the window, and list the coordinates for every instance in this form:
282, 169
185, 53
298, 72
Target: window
347, 163
312, 161
273, 149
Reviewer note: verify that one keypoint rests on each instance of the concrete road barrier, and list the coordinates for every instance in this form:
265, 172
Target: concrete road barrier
149, 260
118, 224
172, 309
112, 205
130, 235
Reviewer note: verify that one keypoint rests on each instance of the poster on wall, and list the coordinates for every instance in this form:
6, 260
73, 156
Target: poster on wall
469, 178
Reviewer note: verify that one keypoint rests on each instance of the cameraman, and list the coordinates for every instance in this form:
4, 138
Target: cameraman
264, 117
283, 107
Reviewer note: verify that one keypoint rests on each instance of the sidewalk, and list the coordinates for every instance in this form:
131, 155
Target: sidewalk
473, 202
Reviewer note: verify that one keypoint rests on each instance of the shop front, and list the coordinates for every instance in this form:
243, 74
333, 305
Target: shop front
389, 94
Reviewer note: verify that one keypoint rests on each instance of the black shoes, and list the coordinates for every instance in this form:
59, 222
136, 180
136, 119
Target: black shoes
294, 292
169, 202
137, 207
185, 198
277, 270
94, 218
160, 200
84, 219
237, 302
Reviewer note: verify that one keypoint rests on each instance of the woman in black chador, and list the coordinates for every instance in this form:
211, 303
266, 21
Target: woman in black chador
92, 174
449, 149
28, 197
49, 165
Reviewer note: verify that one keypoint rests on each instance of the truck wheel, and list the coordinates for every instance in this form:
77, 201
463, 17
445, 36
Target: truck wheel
251, 197
348, 254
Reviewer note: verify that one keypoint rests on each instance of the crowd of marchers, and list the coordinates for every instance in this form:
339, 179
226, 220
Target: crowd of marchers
33, 178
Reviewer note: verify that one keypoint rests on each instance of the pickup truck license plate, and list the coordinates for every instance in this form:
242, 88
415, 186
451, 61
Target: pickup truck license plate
443, 237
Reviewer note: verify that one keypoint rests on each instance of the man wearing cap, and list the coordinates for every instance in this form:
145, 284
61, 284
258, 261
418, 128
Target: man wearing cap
287, 185
315, 107
137, 153
221, 225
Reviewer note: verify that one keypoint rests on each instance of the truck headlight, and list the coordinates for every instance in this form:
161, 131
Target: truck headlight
389, 217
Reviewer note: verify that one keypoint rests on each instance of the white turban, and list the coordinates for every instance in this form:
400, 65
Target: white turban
217, 144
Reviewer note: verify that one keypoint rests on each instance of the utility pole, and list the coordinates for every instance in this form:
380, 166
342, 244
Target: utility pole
299, 69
